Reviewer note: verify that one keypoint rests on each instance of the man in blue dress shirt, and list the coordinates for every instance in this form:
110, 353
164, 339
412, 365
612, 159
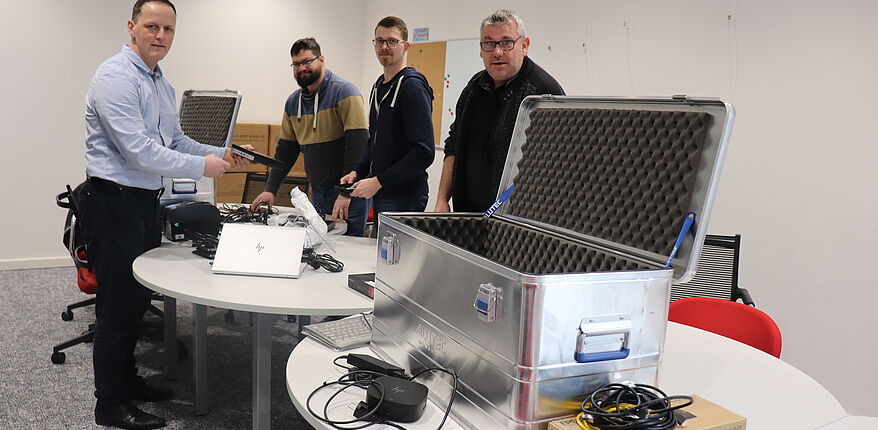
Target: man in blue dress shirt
133, 140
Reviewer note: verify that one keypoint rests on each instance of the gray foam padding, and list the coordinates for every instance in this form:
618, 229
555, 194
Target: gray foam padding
207, 118
519, 248
622, 175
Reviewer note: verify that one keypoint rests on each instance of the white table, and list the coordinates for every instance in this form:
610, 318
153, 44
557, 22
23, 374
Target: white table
770, 393
175, 272
853, 423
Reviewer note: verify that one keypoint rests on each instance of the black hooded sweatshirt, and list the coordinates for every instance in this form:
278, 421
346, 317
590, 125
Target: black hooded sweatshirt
401, 144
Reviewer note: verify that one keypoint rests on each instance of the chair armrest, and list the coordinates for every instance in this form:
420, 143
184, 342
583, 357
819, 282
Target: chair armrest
744, 296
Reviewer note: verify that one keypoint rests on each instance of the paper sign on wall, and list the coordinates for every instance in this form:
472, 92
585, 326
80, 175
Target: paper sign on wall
421, 34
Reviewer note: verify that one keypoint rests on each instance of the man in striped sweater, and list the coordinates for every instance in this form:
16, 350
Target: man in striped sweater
326, 122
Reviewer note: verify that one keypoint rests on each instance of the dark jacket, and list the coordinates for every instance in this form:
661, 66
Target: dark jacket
401, 144
482, 129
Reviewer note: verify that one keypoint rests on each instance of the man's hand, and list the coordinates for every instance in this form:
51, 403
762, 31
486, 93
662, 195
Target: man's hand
350, 178
236, 160
340, 209
366, 188
215, 166
264, 197
442, 206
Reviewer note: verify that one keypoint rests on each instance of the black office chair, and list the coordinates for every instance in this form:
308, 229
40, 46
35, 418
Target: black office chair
717, 273
254, 184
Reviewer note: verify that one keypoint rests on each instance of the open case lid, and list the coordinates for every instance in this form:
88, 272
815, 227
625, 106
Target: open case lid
209, 117
622, 172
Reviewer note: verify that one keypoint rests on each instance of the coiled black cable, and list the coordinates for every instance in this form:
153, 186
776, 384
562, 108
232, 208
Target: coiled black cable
363, 379
325, 261
630, 406
236, 213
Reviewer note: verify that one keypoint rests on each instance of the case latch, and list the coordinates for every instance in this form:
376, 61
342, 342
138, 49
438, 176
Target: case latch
485, 304
603, 338
389, 251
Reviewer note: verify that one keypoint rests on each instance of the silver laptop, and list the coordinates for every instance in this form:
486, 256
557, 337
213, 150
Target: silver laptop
259, 250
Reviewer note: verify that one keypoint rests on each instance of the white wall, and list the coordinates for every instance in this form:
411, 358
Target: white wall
800, 175
54, 48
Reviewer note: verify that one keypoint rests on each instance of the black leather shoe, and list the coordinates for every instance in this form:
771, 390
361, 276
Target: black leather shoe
126, 416
145, 392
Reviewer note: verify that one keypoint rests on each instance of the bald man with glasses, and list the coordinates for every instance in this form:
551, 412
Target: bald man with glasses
477, 143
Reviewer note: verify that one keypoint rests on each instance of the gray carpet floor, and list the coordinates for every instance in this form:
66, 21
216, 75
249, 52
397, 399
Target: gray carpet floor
36, 394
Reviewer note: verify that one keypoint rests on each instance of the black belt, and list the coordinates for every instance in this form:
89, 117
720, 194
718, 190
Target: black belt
143, 192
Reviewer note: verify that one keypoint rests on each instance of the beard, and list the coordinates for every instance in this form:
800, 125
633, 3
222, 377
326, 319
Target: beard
305, 79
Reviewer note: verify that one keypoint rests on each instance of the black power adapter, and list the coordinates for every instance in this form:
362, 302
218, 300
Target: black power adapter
400, 399
372, 364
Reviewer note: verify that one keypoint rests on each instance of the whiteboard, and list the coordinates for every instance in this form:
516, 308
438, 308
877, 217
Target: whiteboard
462, 61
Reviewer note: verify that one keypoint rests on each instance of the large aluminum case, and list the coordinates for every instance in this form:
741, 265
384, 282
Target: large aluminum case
565, 288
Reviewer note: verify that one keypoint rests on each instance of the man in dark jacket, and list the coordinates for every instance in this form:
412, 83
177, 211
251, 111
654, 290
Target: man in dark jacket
477, 143
393, 168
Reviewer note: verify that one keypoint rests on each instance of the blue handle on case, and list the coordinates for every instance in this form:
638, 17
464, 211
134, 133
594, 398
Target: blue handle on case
582, 357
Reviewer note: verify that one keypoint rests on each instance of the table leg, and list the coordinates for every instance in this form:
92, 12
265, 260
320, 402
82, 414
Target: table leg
303, 320
261, 371
171, 353
199, 345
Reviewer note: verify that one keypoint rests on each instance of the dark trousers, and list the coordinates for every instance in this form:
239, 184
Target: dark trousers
324, 199
118, 224
399, 204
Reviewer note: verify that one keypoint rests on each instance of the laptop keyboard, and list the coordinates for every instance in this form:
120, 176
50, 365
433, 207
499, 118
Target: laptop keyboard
342, 334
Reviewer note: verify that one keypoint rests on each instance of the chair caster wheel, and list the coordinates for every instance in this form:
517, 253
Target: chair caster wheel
291, 318
58, 357
67, 316
230, 316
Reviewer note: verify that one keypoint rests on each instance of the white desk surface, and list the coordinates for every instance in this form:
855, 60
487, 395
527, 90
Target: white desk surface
853, 423
174, 270
740, 378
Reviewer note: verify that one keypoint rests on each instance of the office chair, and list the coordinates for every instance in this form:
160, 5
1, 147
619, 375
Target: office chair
85, 278
733, 320
254, 184
717, 272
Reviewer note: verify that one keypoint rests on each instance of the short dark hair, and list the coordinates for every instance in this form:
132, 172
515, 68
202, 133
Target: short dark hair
135, 13
392, 21
305, 43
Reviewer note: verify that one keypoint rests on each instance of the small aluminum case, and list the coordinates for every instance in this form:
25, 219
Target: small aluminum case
566, 287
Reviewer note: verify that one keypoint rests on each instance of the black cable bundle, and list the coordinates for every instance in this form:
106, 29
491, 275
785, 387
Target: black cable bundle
204, 244
245, 214
325, 261
629, 406
363, 379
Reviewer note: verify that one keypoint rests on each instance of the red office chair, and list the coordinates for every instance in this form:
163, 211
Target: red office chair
733, 320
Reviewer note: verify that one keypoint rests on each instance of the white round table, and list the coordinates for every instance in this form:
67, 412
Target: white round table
770, 393
177, 273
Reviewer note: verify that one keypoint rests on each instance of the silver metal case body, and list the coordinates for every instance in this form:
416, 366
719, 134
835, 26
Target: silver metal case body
512, 336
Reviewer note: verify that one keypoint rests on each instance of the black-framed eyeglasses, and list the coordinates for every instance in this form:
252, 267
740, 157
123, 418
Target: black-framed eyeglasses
505, 45
305, 63
391, 43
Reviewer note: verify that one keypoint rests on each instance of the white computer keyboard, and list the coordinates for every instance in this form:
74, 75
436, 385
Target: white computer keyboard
342, 334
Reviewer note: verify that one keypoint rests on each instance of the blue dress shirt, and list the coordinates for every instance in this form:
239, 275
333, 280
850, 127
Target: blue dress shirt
133, 131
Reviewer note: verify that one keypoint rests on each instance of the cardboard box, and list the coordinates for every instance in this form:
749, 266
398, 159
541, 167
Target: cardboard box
251, 134
298, 169
568, 423
711, 416
230, 187
706, 415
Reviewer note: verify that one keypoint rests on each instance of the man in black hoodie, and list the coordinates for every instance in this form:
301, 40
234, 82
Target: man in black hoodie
477, 143
393, 168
